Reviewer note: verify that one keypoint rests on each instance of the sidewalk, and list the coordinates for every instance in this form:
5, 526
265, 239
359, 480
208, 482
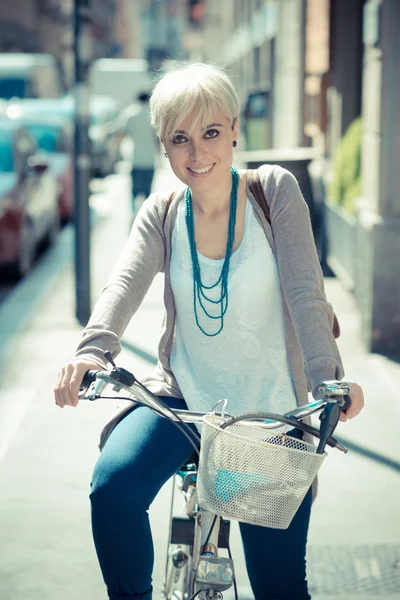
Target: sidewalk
47, 455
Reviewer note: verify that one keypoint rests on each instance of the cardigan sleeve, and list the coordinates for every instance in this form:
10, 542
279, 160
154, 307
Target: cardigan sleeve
141, 259
302, 279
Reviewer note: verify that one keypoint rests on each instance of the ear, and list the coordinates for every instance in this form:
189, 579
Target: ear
235, 127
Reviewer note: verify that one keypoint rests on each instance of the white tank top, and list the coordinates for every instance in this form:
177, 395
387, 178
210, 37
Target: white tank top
247, 362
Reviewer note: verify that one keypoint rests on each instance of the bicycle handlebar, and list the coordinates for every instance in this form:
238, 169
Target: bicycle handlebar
88, 378
334, 399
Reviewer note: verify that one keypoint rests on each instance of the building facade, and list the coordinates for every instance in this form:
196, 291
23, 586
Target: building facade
47, 26
305, 70
155, 30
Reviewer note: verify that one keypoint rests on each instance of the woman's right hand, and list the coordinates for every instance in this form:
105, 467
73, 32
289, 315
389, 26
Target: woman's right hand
69, 381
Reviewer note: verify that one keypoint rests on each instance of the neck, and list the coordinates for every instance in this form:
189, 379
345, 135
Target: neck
216, 200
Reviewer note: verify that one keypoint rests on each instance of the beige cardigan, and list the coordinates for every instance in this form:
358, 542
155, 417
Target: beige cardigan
308, 317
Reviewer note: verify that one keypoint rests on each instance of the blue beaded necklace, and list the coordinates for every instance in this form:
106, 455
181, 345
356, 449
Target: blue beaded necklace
199, 289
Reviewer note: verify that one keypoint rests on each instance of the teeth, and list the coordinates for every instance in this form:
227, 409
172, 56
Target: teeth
202, 170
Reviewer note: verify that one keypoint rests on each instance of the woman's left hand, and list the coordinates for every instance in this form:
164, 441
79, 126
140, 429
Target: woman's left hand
357, 402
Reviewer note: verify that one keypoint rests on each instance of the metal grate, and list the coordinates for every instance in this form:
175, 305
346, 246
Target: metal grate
354, 570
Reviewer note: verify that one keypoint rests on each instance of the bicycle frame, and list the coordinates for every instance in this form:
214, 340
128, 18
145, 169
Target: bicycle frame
190, 537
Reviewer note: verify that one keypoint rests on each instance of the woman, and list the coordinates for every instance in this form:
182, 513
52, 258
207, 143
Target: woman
246, 318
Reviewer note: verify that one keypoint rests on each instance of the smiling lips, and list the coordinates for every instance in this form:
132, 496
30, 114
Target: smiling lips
201, 171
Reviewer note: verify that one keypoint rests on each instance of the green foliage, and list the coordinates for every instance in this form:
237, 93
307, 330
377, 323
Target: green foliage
346, 181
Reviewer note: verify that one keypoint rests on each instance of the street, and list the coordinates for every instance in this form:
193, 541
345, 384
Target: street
47, 454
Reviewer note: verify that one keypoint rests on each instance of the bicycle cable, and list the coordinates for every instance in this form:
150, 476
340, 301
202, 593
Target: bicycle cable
182, 426
204, 545
230, 556
227, 547
209, 533
331, 441
194, 595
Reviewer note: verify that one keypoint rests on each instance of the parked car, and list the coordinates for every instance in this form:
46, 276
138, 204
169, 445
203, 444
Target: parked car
102, 125
29, 215
24, 75
102, 133
49, 107
52, 131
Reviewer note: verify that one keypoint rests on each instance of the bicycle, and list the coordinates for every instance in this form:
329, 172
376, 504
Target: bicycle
263, 488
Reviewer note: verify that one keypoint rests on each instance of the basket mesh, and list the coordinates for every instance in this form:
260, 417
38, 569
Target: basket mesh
253, 475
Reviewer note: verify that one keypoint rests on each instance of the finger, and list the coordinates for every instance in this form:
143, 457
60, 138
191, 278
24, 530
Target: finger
353, 411
65, 386
75, 383
58, 396
357, 401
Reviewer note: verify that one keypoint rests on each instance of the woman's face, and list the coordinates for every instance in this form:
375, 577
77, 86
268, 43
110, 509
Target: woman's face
202, 159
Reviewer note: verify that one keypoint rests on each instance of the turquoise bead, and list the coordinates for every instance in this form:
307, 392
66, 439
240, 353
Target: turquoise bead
199, 289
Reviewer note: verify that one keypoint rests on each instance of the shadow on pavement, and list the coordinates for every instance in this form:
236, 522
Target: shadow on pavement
376, 456
393, 356
150, 358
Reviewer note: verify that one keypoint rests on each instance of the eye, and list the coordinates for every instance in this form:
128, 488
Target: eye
179, 139
211, 133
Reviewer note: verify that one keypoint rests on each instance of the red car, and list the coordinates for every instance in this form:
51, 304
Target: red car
29, 211
53, 135
50, 124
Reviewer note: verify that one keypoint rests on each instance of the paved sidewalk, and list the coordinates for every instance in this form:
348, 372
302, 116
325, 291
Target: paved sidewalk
46, 455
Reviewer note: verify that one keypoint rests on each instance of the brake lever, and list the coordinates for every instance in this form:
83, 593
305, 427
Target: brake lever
119, 374
329, 418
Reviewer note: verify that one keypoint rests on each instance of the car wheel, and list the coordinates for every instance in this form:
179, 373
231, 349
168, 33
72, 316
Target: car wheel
53, 232
27, 251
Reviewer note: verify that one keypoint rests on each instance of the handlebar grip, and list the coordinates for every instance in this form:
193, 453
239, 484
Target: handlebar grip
88, 378
346, 403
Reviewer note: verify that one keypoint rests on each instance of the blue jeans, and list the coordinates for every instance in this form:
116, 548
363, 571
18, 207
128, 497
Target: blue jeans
141, 454
142, 180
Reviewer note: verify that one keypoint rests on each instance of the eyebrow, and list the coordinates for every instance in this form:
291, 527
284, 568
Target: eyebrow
212, 125
203, 128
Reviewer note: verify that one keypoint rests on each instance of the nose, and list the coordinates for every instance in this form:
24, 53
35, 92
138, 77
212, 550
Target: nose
197, 149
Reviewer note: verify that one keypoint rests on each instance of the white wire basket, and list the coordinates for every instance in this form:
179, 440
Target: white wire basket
254, 475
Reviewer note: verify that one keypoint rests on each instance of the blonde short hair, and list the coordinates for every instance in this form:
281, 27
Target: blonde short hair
200, 88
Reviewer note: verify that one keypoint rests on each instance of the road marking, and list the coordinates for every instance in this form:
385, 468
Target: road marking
14, 405
375, 568
366, 568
